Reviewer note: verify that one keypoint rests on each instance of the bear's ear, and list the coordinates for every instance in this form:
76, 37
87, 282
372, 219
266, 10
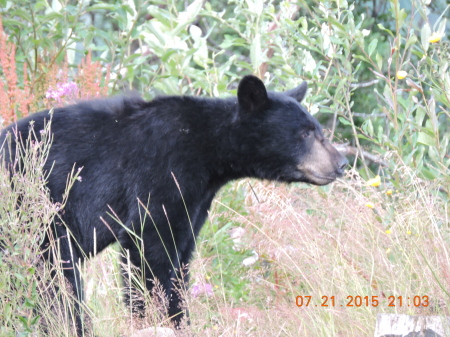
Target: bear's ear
298, 93
252, 94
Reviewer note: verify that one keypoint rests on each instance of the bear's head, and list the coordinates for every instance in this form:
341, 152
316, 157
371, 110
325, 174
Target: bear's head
287, 142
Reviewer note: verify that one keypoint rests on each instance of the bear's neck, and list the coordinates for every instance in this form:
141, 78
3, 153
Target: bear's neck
221, 136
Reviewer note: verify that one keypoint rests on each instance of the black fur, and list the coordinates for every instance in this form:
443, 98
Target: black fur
130, 149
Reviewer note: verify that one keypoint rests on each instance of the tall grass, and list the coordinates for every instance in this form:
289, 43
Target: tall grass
320, 242
264, 244
328, 244
310, 242
33, 294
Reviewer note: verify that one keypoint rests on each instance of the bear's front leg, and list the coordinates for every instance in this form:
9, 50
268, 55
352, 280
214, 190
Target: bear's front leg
155, 259
180, 282
69, 256
188, 230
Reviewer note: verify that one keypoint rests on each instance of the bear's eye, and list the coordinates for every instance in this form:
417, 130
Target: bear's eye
306, 134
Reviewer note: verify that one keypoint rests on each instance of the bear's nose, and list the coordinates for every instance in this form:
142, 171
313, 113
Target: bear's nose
342, 164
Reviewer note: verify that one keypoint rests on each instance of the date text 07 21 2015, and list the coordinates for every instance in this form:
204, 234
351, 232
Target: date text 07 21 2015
365, 301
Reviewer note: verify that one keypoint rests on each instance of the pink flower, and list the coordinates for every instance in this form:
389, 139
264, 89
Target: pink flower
202, 288
68, 91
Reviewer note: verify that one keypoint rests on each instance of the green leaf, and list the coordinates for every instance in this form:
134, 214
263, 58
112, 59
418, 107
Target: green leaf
412, 40
131, 58
344, 121
402, 15
364, 137
379, 60
52, 16
165, 57
29, 303
200, 46
35, 320
101, 6
442, 25
380, 133
19, 277
22, 14
231, 41
434, 154
359, 38
361, 57
7, 310
367, 127
24, 321
418, 156
425, 35
425, 139
373, 44
428, 173
444, 146
156, 32
56, 6
255, 51
162, 16
420, 115
10, 23
188, 16
432, 114
337, 25
385, 29
255, 6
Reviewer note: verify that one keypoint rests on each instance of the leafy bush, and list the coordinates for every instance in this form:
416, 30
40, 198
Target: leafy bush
28, 294
379, 80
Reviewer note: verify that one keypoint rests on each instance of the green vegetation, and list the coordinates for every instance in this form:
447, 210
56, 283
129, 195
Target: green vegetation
379, 83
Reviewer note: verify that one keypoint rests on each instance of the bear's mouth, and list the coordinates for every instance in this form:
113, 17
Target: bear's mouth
311, 178
320, 179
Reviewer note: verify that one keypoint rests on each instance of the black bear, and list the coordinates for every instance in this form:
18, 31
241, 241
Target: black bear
168, 158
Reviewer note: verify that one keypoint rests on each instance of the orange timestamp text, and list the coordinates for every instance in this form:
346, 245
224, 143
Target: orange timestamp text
365, 301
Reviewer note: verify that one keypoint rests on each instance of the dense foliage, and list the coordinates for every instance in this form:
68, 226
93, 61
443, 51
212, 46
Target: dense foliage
379, 81
348, 52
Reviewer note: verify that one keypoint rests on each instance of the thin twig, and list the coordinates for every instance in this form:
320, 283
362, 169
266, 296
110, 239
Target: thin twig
364, 84
347, 150
365, 115
273, 26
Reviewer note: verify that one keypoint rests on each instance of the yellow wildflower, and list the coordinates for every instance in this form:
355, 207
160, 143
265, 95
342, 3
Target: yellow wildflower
435, 37
401, 74
388, 250
370, 205
389, 192
388, 231
374, 182
408, 232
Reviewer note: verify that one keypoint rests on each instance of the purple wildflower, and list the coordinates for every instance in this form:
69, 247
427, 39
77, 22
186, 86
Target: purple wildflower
202, 288
67, 90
